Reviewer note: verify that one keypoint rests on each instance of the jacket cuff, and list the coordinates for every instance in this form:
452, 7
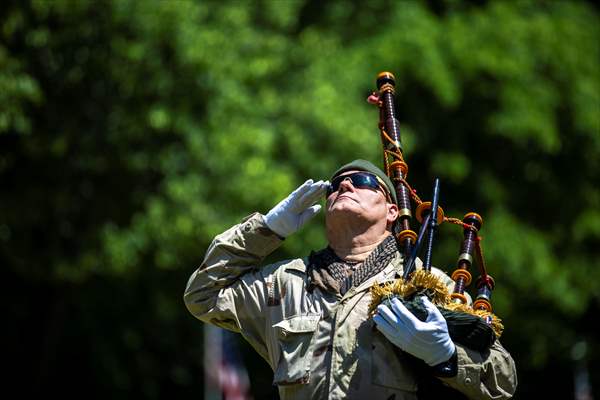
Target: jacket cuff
256, 237
468, 372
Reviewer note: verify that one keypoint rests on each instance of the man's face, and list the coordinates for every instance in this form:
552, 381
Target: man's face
365, 203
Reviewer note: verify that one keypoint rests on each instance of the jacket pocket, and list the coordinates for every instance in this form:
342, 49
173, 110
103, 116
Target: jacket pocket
390, 366
295, 338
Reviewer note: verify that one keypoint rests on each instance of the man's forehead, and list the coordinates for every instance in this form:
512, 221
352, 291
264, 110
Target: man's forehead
350, 172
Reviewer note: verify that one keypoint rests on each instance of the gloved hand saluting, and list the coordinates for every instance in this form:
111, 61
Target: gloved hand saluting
292, 212
428, 340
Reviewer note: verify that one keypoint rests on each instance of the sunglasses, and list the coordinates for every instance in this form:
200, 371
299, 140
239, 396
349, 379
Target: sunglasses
362, 180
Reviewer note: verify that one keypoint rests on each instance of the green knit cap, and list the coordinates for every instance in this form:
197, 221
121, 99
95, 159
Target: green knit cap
364, 165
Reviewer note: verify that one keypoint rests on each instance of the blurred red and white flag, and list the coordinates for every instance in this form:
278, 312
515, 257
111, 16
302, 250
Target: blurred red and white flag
225, 377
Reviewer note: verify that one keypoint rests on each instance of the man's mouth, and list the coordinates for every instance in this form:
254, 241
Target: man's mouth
345, 197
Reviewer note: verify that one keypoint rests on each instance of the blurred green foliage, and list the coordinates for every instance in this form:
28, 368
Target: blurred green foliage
132, 132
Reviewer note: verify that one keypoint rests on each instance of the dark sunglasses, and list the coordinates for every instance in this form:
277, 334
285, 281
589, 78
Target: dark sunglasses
360, 180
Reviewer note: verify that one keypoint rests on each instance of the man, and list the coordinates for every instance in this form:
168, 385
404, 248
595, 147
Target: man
308, 318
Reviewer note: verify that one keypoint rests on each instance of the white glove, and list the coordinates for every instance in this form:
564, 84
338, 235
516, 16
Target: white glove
292, 212
427, 340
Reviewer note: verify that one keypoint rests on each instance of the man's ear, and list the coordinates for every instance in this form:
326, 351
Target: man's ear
392, 213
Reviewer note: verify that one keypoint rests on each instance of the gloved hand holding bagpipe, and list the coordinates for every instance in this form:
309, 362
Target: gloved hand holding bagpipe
427, 340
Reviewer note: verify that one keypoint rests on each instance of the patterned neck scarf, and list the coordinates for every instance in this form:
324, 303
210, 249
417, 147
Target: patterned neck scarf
329, 272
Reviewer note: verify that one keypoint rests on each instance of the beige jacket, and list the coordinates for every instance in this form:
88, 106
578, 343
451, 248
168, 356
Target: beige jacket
319, 345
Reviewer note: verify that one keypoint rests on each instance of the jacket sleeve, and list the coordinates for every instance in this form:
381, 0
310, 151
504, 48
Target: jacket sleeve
489, 375
228, 290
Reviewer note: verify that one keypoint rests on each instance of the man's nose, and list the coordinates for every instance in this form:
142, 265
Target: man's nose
346, 185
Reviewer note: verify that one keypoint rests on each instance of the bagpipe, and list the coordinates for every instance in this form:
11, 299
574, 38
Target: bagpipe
474, 326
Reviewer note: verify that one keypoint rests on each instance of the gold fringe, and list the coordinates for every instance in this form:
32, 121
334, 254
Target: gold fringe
438, 291
434, 284
419, 280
